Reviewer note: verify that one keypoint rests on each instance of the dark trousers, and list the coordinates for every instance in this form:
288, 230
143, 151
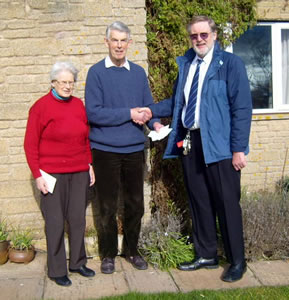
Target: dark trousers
67, 203
214, 190
111, 171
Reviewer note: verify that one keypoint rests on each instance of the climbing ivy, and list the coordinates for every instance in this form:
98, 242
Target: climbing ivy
167, 38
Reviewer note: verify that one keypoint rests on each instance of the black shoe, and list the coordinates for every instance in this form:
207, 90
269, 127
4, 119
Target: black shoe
107, 265
63, 281
83, 271
198, 263
235, 272
138, 262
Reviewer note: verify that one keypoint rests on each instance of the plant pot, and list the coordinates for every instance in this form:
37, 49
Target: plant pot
21, 256
4, 246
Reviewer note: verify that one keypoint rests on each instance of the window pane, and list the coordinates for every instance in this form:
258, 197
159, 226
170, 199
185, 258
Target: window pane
254, 47
285, 64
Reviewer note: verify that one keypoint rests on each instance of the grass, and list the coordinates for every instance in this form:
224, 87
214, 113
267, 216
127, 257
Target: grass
256, 293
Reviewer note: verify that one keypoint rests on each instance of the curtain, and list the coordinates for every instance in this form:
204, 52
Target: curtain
285, 65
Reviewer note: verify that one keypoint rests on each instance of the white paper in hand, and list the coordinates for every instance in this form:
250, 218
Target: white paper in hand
50, 180
163, 132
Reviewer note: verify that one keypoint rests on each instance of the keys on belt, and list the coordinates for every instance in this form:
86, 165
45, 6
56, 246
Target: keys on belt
186, 144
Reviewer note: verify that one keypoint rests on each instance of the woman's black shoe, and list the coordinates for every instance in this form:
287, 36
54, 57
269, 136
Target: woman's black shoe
83, 271
63, 281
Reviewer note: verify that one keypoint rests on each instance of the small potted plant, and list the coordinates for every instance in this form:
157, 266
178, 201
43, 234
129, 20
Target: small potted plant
21, 248
4, 243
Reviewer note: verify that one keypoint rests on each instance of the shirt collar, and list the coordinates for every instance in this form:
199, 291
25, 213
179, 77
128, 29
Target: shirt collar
109, 63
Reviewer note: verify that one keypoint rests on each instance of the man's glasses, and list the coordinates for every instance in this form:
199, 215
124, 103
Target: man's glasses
65, 83
203, 36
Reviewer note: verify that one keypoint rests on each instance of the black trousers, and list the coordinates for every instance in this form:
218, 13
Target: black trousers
111, 171
67, 203
214, 191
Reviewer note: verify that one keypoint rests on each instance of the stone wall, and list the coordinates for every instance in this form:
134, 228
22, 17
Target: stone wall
273, 10
34, 34
268, 159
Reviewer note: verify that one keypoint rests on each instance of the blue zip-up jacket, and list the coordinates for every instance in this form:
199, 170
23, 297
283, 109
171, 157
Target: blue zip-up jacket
225, 109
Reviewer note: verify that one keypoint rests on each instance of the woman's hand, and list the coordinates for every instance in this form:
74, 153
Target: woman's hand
91, 174
42, 185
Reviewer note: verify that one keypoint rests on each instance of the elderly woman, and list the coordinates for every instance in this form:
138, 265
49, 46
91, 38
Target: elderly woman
56, 142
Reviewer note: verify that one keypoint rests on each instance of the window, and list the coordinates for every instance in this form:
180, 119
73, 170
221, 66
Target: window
265, 51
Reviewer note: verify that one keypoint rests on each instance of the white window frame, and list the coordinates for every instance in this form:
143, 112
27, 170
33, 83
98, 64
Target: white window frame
278, 106
277, 67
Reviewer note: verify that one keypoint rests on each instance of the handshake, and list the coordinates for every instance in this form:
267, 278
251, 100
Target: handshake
140, 115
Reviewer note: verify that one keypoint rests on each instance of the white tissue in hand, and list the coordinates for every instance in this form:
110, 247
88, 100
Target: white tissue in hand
163, 132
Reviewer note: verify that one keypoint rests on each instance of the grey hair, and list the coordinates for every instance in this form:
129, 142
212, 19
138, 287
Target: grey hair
61, 66
201, 18
119, 26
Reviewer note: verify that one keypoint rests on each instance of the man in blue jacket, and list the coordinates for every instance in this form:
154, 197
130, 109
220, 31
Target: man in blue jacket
211, 108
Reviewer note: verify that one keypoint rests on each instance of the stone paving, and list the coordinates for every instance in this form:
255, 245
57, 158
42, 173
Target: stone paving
27, 282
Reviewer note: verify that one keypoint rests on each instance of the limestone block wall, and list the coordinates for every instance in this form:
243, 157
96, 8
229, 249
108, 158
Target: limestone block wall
273, 10
268, 159
34, 34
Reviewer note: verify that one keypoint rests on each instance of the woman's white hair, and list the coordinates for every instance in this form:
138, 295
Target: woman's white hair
61, 66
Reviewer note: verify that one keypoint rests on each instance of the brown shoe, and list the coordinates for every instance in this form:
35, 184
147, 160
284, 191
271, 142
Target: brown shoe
138, 262
107, 265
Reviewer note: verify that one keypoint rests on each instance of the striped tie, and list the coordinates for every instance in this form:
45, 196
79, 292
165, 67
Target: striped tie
191, 107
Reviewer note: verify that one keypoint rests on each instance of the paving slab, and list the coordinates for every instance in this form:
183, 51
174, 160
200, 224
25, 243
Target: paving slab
21, 288
148, 281
30, 281
35, 269
210, 279
271, 272
100, 285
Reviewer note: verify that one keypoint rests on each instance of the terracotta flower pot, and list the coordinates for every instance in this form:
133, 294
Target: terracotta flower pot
21, 256
4, 246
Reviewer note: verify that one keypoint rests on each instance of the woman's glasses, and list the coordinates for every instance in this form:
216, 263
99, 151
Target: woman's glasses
65, 83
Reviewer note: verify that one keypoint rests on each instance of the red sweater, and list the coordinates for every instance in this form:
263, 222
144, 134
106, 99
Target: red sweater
56, 138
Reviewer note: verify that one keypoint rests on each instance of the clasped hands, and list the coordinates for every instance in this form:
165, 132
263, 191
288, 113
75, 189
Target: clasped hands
140, 115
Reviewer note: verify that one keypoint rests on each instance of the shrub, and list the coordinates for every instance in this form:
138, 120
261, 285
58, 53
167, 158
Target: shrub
283, 185
266, 224
161, 242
